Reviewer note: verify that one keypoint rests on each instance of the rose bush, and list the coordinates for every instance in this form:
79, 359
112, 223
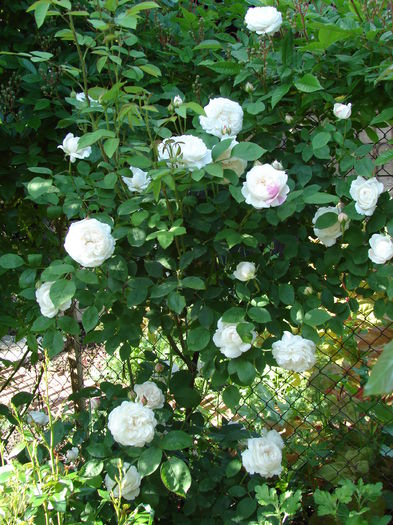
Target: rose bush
165, 255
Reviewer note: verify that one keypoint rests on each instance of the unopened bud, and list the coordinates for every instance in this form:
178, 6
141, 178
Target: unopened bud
177, 101
249, 88
342, 217
288, 119
159, 368
277, 165
94, 403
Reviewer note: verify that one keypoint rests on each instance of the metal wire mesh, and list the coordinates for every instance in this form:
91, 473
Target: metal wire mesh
330, 429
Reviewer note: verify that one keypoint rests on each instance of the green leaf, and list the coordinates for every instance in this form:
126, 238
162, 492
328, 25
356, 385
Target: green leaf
246, 371
326, 220
176, 476
176, 302
165, 239
254, 108
142, 6
53, 342
176, 440
163, 289
286, 293
279, 93
209, 44
233, 467
234, 315
248, 151
110, 146
320, 198
198, 339
327, 503
220, 148
38, 186
90, 318
152, 70
316, 317
320, 140
94, 136
231, 396
384, 158
308, 83
195, 283
149, 461
62, 291
260, 315
381, 378
128, 207
68, 325
136, 237
40, 12
245, 330
10, 261
87, 276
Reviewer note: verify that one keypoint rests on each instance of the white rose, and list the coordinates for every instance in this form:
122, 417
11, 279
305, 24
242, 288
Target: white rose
177, 101
294, 353
70, 147
265, 186
187, 151
89, 242
44, 301
328, 236
149, 395
381, 249
245, 271
249, 88
130, 483
224, 118
365, 193
132, 424
71, 455
232, 163
263, 455
38, 417
342, 111
229, 341
139, 180
263, 20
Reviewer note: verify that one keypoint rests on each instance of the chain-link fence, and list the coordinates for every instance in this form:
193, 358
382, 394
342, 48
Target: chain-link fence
330, 429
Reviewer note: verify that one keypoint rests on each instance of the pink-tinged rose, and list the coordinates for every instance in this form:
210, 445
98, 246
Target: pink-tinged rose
265, 186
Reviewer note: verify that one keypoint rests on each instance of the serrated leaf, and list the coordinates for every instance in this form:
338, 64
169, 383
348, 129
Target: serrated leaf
90, 318
176, 476
308, 84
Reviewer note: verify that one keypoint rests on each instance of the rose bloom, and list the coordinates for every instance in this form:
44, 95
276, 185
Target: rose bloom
132, 424
44, 301
224, 118
277, 165
294, 353
265, 186
342, 111
263, 20
70, 147
187, 151
245, 271
71, 455
38, 417
89, 242
328, 236
229, 341
381, 249
139, 180
263, 455
149, 395
365, 193
130, 483
232, 163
